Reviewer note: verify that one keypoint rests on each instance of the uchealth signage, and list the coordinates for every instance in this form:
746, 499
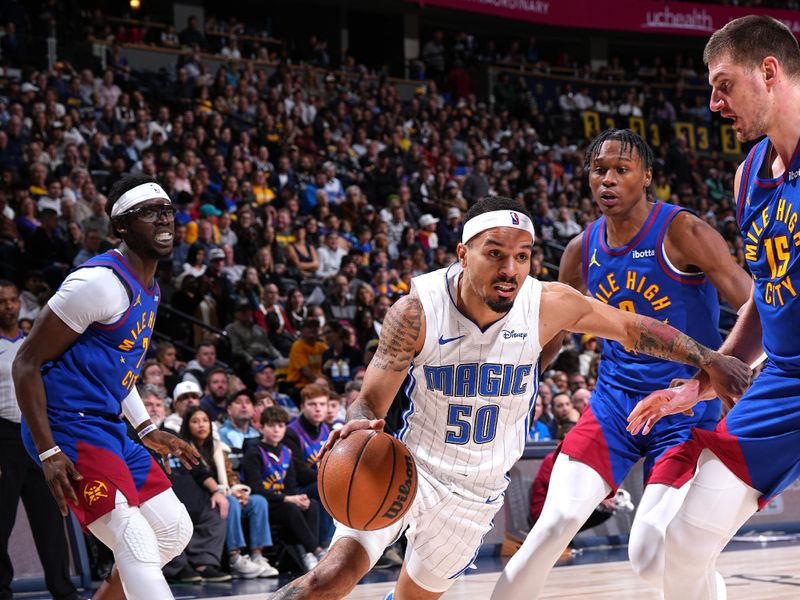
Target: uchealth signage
624, 15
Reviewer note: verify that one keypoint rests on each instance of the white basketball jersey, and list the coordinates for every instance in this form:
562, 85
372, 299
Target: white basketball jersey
471, 392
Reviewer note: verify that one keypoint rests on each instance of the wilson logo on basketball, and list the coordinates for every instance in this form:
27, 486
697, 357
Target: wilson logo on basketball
404, 490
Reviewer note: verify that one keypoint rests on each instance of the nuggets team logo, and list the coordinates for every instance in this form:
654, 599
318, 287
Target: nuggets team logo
94, 491
514, 218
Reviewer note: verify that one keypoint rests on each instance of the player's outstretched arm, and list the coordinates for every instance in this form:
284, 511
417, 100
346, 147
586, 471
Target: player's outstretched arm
49, 339
402, 337
565, 308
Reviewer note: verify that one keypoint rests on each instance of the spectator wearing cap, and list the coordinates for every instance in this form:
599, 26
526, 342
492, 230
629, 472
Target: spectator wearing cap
208, 214
185, 394
428, 238
249, 342
330, 256
305, 357
363, 240
476, 184
453, 196
264, 375
220, 287
503, 164
207, 234
238, 427
450, 230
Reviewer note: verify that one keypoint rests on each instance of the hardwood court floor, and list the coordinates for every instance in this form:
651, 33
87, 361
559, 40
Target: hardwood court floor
759, 574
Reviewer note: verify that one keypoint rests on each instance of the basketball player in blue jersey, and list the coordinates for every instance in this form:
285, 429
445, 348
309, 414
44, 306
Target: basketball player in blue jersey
466, 343
651, 259
75, 375
754, 453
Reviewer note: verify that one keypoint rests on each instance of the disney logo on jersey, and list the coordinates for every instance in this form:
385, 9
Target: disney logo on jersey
511, 334
792, 175
648, 253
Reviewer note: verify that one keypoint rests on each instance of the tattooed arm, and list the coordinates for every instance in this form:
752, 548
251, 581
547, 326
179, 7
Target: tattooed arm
402, 337
565, 308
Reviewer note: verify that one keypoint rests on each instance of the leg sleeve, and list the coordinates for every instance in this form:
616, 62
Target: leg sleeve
718, 503
575, 490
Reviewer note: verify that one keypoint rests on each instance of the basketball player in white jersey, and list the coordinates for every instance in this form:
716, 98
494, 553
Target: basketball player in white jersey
466, 342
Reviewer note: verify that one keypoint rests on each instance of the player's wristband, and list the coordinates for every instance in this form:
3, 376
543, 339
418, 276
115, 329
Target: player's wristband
144, 431
48, 453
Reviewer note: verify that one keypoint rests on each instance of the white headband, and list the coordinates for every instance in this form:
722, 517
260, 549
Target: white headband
136, 196
496, 218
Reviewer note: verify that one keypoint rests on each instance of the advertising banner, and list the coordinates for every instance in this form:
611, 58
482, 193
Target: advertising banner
646, 16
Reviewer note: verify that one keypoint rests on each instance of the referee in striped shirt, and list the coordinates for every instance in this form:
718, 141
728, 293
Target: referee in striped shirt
20, 477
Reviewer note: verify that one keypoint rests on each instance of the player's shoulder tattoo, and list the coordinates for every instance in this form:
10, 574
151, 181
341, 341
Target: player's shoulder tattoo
399, 335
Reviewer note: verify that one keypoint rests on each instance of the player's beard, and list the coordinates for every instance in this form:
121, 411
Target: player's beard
500, 306
754, 130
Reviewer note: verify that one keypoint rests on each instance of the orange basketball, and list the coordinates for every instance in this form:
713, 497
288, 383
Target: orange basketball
368, 481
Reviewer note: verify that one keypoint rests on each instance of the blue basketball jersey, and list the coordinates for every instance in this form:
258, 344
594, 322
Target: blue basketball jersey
767, 213
639, 278
311, 446
273, 475
99, 370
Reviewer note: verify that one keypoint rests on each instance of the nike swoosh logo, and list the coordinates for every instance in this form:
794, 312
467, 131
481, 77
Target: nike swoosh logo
443, 341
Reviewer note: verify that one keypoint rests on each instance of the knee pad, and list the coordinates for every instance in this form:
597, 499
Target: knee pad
140, 541
173, 527
125, 531
177, 539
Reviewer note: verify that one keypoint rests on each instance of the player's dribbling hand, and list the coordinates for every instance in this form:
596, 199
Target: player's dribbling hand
348, 428
648, 412
60, 472
165, 444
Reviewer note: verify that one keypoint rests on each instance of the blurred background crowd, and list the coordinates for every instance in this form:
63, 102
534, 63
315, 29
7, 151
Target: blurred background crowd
311, 187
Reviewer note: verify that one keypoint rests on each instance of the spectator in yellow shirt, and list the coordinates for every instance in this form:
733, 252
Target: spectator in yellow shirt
305, 356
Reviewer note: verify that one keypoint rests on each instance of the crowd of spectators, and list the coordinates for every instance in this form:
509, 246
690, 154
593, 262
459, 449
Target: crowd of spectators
304, 207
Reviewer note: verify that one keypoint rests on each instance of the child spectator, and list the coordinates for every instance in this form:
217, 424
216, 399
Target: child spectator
268, 470
335, 417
